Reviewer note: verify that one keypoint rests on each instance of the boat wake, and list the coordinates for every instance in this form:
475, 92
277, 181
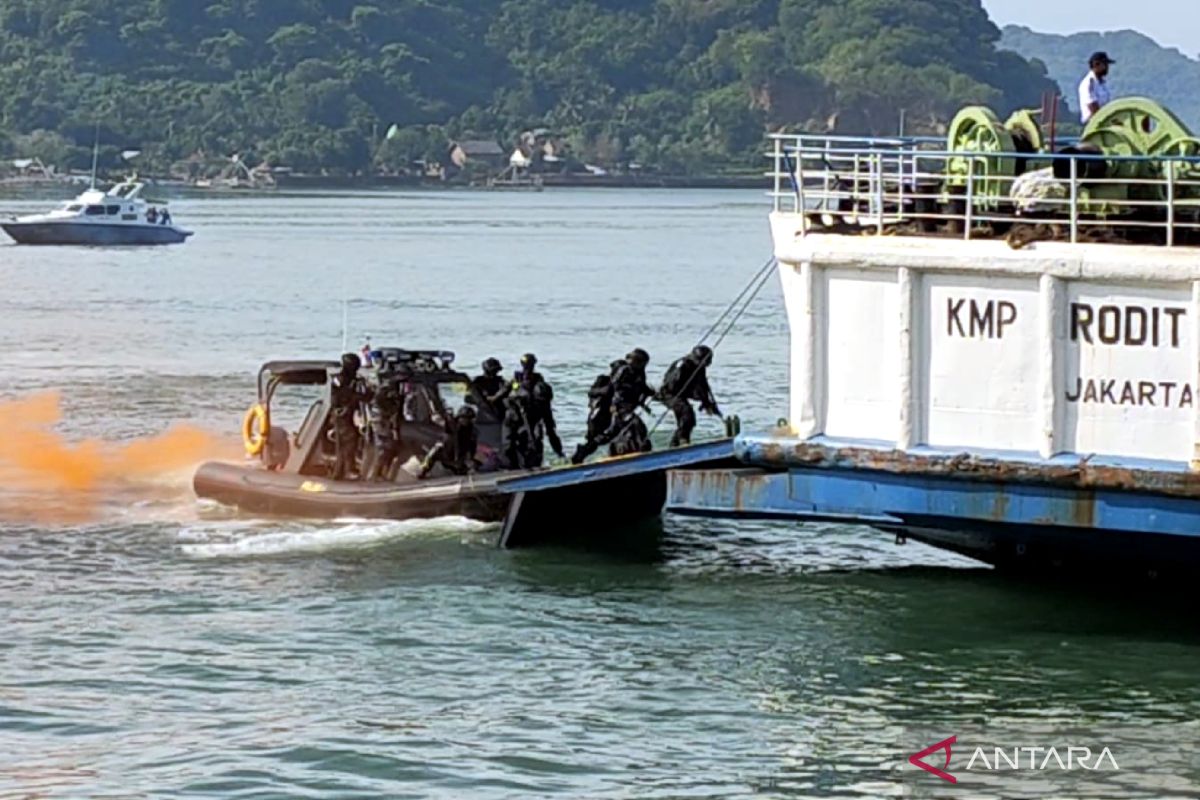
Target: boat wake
233, 539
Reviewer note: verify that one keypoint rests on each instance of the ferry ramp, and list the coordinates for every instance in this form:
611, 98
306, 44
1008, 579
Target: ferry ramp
580, 501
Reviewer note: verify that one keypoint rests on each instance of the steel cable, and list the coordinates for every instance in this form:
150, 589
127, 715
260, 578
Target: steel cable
755, 286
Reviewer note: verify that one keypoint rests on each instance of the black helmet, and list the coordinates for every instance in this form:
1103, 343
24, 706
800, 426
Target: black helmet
542, 392
703, 354
616, 365
492, 367
466, 413
529, 361
639, 357
351, 362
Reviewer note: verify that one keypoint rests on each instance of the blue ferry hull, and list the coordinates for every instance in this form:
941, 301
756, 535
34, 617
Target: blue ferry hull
1062, 517
57, 233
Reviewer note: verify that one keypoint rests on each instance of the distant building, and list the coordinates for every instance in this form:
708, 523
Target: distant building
32, 168
542, 150
479, 151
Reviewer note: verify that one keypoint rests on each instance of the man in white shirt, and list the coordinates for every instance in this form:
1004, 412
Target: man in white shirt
1093, 89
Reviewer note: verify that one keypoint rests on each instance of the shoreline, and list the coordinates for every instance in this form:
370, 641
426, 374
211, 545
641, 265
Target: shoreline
323, 182
547, 182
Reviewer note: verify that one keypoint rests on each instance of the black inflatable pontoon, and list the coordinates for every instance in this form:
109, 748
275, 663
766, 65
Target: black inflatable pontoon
292, 469
263, 491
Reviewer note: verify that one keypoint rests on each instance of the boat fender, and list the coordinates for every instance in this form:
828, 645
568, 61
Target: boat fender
255, 429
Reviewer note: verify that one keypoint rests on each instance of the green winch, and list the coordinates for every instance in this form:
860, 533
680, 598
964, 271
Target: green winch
1136, 132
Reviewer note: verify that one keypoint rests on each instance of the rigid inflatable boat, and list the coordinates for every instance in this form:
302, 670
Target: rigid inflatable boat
290, 471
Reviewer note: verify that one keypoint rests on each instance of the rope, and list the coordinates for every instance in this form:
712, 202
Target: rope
765, 268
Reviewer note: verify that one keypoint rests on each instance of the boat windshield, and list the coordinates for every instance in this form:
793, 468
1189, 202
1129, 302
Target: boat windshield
295, 403
72, 207
126, 191
453, 395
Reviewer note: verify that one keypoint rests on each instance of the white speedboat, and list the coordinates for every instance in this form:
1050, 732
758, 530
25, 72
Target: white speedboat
120, 216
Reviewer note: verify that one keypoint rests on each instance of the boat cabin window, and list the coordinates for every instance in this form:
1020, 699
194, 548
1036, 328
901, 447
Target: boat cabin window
294, 402
453, 395
73, 207
95, 211
113, 210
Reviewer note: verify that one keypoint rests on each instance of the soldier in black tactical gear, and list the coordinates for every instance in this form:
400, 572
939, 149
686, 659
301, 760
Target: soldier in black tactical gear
541, 418
489, 391
630, 389
516, 433
687, 380
600, 403
457, 448
348, 393
527, 375
528, 417
626, 433
387, 417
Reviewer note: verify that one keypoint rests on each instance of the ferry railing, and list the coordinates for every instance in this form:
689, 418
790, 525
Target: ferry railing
885, 183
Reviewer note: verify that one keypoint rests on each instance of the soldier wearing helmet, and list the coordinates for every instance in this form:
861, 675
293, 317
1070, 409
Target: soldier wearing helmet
489, 390
528, 417
457, 448
687, 380
387, 420
628, 390
349, 395
527, 375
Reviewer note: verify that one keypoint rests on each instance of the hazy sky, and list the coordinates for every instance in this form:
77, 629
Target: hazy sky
1175, 23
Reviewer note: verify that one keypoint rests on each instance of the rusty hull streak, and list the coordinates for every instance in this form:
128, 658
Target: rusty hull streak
746, 484
1080, 475
1000, 506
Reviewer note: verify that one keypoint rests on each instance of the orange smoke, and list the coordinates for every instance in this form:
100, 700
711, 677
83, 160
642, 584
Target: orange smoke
36, 459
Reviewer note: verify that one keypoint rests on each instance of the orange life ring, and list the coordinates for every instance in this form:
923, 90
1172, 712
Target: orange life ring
254, 429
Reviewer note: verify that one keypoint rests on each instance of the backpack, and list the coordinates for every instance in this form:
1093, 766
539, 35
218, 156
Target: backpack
675, 381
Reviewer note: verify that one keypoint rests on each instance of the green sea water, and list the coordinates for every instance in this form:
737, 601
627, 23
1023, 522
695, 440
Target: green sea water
154, 646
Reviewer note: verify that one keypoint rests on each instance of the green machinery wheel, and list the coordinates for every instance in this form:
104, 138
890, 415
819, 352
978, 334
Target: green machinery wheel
1150, 126
1187, 174
1108, 198
1140, 126
1118, 141
977, 130
1188, 146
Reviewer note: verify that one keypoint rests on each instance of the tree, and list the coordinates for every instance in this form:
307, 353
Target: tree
675, 84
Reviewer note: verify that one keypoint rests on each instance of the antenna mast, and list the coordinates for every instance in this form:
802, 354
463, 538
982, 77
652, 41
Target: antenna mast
345, 324
95, 154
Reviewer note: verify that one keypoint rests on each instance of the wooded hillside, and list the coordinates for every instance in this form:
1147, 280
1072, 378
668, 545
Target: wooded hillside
684, 85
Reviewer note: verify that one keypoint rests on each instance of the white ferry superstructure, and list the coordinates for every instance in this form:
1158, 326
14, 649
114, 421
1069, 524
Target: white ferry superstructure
1003, 366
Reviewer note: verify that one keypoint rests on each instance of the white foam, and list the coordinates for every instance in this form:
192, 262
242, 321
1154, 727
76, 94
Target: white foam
254, 539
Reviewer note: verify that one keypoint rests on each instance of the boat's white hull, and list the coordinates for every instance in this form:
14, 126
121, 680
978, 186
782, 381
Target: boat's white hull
71, 232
